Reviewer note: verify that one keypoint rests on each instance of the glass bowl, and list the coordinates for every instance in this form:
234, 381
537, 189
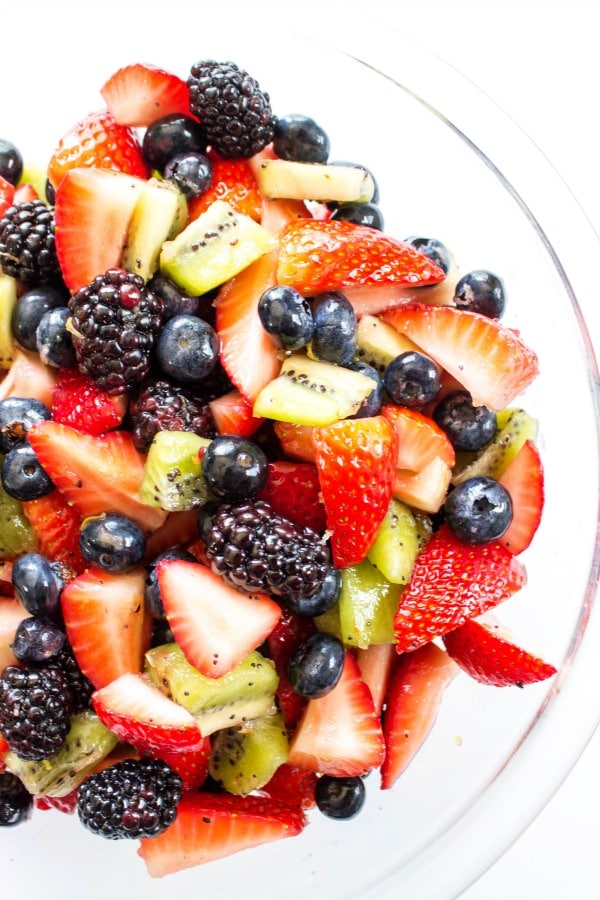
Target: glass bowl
449, 165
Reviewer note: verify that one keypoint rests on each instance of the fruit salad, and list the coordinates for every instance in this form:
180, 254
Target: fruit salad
266, 478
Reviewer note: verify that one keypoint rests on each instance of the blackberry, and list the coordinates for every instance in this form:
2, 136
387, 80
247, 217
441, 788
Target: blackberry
131, 799
256, 550
234, 111
114, 324
163, 406
27, 249
79, 685
35, 710
16, 803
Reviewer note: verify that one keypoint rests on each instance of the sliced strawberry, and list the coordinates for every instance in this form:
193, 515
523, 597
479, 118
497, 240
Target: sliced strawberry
296, 440
106, 622
487, 656
293, 490
96, 473
79, 402
488, 359
286, 636
215, 625
139, 94
7, 194
191, 765
25, 193
6, 587
292, 786
179, 528
416, 688
425, 490
376, 299
234, 182
419, 438
93, 208
375, 664
233, 414
450, 583
11, 614
211, 826
248, 353
356, 461
66, 804
524, 481
318, 256
28, 377
3, 749
340, 733
97, 142
57, 525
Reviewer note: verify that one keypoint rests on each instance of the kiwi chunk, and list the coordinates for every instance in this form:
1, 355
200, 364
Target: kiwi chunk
312, 392
378, 343
16, 534
87, 743
281, 178
8, 301
159, 215
213, 248
245, 758
173, 478
396, 544
244, 693
515, 426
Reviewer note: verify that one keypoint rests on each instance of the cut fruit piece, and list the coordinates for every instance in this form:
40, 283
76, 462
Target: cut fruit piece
416, 688
280, 178
215, 625
246, 692
160, 213
28, 377
524, 481
312, 392
291, 631
232, 181
420, 440
17, 535
57, 525
8, 301
397, 544
488, 359
296, 440
213, 248
173, 478
139, 94
375, 664
425, 490
378, 343
376, 299
294, 492
232, 413
366, 605
515, 427
246, 757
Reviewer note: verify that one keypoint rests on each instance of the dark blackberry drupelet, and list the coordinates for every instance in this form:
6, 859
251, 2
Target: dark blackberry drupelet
27, 249
233, 109
114, 324
256, 550
164, 406
16, 803
35, 710
131, 799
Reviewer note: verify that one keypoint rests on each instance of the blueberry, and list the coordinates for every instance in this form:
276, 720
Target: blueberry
17, 415
287, 316
481, 292
478, 510
152, 597
340, 798
37, 640
367, 214
112, 541
37, 586
11, 162
334, 336
29, 310
434, 249
171, 135
22, 474
187, 348
371, 405
175, 303
191, 172
412, 379
299, 138
53, 340
234, 467
16, 803
320, 602
468, 427
316, 665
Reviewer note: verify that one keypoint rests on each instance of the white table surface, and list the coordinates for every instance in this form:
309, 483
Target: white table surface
541, 63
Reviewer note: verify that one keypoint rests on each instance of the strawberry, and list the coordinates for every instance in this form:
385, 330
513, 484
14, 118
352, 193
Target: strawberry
375, 664
419, 438
212, 826
340, 733
288, 633
28, 377
6, 588
79, 402
488, 359
106, 623
96, 473
425, 490
450, 583
215, 625
7, 194
139, 94
11, 613
178, 528
191, 765
524, 481
416, 688
317, 256
93, 209
3, 749
356, 461
293, 490
491, 658
232, 181
376, 299
293, 786
57, 525
97, 142
296, 440
66, 804
141, 715
24, 193
233, 414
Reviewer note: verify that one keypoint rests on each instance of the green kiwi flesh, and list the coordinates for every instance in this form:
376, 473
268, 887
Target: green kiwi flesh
396, 544
245, 758
515, 426
173, 478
